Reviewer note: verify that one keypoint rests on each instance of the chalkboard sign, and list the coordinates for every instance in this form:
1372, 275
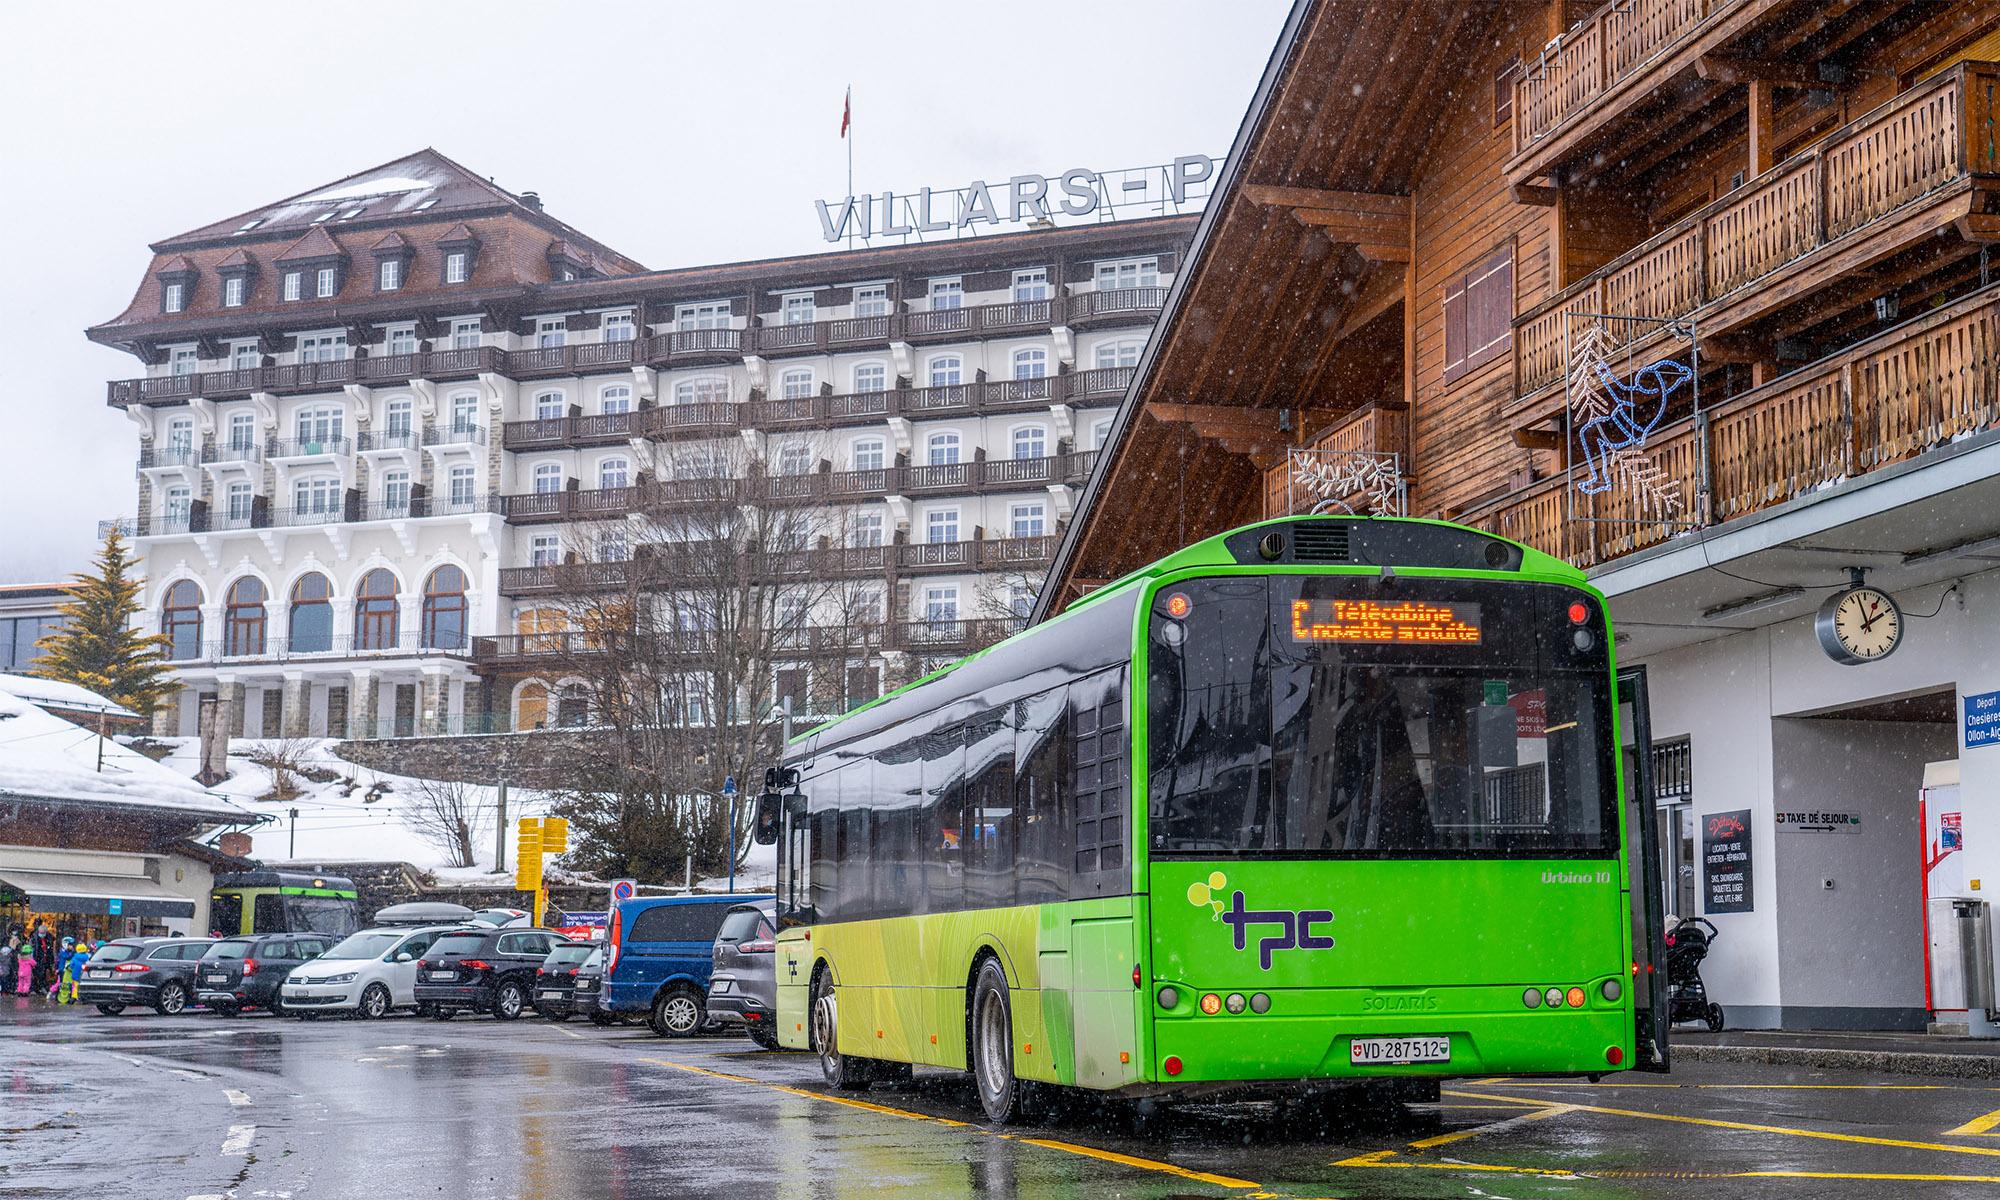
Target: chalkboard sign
1725, 862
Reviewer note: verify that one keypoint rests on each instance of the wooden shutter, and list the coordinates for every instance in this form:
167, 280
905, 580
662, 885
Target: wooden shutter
1454, 328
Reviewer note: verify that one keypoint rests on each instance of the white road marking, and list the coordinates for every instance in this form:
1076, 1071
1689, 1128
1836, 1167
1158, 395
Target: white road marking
237, 1144
239, 1099
185, 1074
572, 1033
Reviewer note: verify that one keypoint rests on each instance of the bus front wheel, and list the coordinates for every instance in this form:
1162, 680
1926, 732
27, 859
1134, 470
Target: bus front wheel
844, 1072
1006, 1099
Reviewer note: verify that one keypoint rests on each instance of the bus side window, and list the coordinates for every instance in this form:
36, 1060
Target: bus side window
857, 869
990, 817
942, 829
823, 817
1098, 774
1041, 798
268, 914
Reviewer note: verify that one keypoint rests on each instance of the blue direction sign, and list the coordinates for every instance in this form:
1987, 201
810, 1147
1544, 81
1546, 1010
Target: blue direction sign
1982, 720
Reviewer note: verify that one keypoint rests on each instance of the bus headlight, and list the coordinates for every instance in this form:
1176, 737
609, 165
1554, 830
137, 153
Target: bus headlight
1611, 990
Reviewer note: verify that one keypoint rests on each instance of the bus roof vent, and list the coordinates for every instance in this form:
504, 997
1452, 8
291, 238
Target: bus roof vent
1319, 542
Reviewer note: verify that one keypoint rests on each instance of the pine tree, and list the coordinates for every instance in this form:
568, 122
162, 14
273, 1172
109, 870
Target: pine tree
98, 646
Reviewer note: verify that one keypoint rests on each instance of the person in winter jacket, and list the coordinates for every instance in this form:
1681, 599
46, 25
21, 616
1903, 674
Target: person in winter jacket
45, 947
24, 970
10, 953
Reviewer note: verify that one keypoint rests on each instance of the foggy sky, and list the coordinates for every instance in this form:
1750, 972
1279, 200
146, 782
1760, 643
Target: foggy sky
679, 134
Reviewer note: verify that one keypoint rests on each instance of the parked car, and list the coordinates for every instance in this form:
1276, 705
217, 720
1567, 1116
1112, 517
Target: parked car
249, 972
555, 979
155, 971
587, 1000
743, 987
658, 958
483, 969
370, 973
504, 918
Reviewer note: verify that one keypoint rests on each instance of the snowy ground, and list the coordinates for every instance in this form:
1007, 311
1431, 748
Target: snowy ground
339, 822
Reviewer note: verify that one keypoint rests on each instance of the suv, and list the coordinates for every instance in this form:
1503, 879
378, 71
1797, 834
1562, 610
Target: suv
658, 959
483, 969
368, 973
743, 989
147, 970
556, 979
246, 972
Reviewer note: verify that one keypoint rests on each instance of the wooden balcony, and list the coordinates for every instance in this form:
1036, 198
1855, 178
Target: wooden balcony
299, 378
1890, 398
1888, 181
666, 566
1381, 427
1117, 306
688, 346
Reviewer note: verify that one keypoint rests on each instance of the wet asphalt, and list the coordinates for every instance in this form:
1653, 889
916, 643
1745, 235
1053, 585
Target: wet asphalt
200, 1105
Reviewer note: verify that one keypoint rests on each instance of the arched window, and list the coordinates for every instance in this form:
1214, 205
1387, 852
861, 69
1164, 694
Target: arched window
701, 391
870, 454
1031, 441
871, 377
796, 384
531, 706
615, 399
376, 615
1122, 353
444, 609
243, 618
548, 477
1031, 362
941, 449
947, 370
311, 626
614, 473
549, 406
180, 620
1098, 432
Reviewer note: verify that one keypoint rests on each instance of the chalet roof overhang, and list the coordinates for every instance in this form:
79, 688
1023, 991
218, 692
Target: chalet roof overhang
1300, 263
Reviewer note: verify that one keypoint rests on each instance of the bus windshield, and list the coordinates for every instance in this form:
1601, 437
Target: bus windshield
1310, 716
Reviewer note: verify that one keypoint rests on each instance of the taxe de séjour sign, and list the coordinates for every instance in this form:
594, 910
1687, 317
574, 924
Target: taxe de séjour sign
1076, 192
1725, 861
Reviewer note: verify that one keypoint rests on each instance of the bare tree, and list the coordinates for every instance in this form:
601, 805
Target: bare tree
286, 759
446, 814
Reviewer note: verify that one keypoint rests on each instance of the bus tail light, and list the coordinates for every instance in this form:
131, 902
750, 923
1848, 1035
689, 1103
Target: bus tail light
1211, 1004
1579, 612
1611, 989
1179, 606
1576, 997
1614, 1055
1169, 997
1532, 998
1172, 1065
1135, 974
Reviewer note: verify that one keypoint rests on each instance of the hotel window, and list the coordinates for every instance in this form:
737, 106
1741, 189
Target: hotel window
183, 361
866, 530
389, 275
318, 495
464, 412
1020, 599
1027, 520
325, 347
244, 357
701, 391
320, 426
240, 501
1478, 314
232, 292
1031, 284
179, 507
548, 478
1130, 273
242, 430
324, 282
796, 384
180, 436
291, 285
396, 418
614, 473
614, 400
550, 405
871, 301
180, 620
396, 493
551, 332
443, 623
871, 377
941, 449
1031, 441
947, 293
174, 298
795, 458
712, 315
1122, 353
377, 615
310, 629
618, 327
1098, 432
799, 309
465, 334
947, 370
869, 454
454, 267
1031, 362
544, 550
941, 525
612, 547
941, 602
461, 487
403, 340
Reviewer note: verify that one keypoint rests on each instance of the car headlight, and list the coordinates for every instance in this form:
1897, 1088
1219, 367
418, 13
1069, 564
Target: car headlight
347, 978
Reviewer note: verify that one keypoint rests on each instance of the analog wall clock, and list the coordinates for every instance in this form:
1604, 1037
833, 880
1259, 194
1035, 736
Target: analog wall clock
1859, 625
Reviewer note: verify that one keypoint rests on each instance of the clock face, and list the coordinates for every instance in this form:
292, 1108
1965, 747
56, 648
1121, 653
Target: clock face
1865, 625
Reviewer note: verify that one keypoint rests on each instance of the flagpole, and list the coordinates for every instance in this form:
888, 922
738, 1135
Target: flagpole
849, 139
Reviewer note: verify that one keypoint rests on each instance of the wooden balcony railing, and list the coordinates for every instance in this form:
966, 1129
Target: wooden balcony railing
1114, 303
1894, 396
1912, 147
1601, 53
1381, 427
668, 566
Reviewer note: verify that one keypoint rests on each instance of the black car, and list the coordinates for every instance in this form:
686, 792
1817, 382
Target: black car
555, 979
246, 972
485, 970
156, 971
586, 999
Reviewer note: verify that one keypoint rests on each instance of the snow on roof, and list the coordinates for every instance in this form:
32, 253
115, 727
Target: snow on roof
44, 756
372, 185
54, 693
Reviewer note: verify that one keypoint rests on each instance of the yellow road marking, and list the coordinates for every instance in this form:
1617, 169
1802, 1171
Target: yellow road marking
1145, 1164
1383, 1159
1446, 1139
1978, 1126
1713, 1123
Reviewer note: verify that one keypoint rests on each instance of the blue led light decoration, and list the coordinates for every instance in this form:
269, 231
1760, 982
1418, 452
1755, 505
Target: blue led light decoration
1613, 417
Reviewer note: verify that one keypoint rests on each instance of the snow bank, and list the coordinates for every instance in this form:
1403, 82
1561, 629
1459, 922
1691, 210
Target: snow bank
44, 755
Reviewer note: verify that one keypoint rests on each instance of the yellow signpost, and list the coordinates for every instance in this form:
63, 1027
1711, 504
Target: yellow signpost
529, 846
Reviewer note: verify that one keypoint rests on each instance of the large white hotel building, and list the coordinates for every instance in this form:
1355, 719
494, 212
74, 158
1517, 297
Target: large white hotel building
382, 423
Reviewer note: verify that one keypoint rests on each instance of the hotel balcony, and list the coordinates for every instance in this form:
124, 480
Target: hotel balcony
303, 378
940, 635
171, 456
667, 565
249, 649
1901, 191
222, 453
686, 347
1907, 391
442, 436
1117, 306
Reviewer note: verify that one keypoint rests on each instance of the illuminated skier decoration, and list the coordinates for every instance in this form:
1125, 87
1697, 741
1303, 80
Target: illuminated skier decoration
1327, 477
1613, 417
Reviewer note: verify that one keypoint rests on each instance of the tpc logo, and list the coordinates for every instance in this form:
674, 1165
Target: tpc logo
1295, 927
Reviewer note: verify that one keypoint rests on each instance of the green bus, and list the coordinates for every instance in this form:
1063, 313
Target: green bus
1330, 803
283, 902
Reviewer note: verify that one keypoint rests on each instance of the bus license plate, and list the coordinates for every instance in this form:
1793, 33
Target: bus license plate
1373, 1051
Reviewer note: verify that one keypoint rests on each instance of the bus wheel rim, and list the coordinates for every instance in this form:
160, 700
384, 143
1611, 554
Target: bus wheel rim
993, 1045
824, 1025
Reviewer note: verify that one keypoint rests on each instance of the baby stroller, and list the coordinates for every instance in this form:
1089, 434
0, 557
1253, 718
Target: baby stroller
1687, 995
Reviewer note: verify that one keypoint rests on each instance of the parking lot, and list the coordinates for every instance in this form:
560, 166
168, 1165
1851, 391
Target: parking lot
203, 1106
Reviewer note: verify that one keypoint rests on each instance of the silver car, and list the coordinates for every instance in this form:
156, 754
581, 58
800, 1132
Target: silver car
743, 989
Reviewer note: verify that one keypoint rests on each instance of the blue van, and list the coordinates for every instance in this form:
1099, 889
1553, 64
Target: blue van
657, 957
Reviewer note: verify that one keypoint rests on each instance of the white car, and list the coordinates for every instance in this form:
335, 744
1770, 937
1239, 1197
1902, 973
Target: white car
371, 973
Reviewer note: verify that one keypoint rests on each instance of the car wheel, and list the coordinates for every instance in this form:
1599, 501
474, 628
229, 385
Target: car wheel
1006, 1099
374, 1002
509, 1000
276, 1006
763, 1037
844, 1072
111, 1010
678, 1013
173, 999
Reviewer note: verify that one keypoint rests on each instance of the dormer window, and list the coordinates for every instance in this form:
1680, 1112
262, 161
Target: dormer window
291, 285
177, 285
232, 292
389, 275
326, 282
454, 267
174, 299
459, 248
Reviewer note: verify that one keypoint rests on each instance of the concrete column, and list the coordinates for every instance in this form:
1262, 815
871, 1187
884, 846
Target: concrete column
433, 705
167, 718
297, 705
362, 700
230, 694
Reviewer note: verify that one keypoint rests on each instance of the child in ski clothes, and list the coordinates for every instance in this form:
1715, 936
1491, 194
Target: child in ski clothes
73, 971
25, 970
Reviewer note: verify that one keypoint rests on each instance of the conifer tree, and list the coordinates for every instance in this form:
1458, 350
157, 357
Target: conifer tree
98, 646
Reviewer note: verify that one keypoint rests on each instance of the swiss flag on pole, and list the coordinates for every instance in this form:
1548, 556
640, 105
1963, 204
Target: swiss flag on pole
846, 111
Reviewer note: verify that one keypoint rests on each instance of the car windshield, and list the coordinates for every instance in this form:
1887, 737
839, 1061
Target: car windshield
228, 950
566, 956
114, 953
368, 944
458, 943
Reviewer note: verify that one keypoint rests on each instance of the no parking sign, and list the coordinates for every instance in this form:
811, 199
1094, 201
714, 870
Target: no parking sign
623, 889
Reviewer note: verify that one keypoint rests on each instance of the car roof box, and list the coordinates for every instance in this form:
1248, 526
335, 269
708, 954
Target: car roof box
423, 913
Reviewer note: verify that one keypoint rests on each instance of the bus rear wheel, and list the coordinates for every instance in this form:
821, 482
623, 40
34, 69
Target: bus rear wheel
844, 1072
1006, 1099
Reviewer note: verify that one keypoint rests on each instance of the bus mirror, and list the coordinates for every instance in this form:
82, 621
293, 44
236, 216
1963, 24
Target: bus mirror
765, 832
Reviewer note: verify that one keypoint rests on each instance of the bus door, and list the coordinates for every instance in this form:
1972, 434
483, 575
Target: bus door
225, 913
1642, 829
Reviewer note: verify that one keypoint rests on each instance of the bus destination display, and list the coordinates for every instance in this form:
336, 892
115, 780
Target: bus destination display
1375, 623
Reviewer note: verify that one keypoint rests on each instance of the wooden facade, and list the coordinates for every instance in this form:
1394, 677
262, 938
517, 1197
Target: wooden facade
1807, 190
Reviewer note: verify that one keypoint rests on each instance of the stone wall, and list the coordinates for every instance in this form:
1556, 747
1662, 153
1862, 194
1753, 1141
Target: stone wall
536, 760
380, 884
